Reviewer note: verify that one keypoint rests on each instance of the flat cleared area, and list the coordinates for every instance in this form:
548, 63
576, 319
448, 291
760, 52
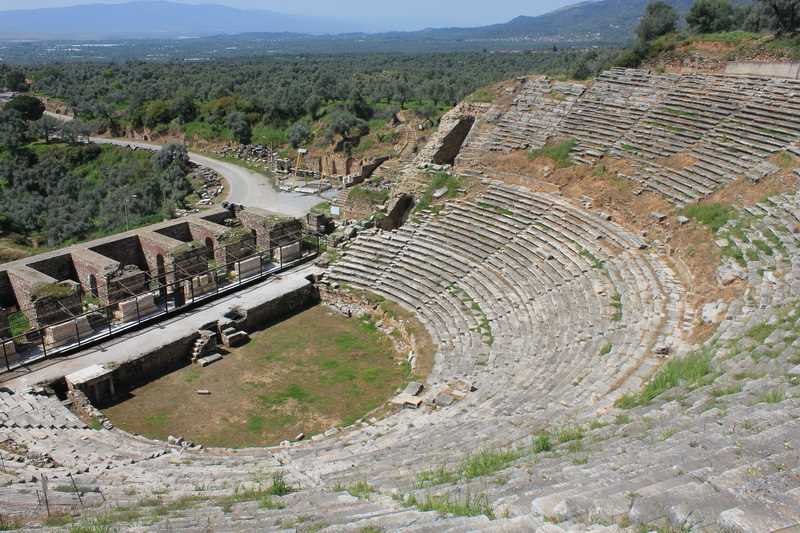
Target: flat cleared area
306, 374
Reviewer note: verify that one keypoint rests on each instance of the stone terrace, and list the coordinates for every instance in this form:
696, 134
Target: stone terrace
724, 126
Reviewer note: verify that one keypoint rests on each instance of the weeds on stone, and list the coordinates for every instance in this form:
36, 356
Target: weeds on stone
559, 153
469, 505
569, 433
479, 464
616, 303
760, 332
691, 371
606, 349
772, 396
541, 444
359, 489
726, 391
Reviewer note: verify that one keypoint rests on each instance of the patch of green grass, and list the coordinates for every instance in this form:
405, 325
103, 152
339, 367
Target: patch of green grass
621, 420
359, 489
728, 37
726, 391
772, 396
760, 332
776, 242
481, 96
363, 194
486, 462
158, 420
541, 443
291, 392
91, 527
713, 215
437, 476
446, 504
616, 303
559, 152
18, 323
440, 180
763, 247
690, 371
606, 349
734, 253
569, 433
482, 463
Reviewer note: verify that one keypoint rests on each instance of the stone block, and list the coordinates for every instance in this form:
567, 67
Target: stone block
66, 332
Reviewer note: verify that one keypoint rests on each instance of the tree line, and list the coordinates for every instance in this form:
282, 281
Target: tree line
277, 92
712, 16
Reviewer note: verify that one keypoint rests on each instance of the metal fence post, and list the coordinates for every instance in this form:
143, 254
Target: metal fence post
77, 331
138, 315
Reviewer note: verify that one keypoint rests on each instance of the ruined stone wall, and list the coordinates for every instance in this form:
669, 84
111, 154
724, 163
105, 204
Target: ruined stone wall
228, 253
49, 311
190, 263
126, 251
60, 267
23, 281
125, 285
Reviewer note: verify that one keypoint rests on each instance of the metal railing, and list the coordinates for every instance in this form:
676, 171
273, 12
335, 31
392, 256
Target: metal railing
98, 323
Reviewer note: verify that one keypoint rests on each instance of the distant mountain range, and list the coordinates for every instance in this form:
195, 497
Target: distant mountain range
157, 19
601, 22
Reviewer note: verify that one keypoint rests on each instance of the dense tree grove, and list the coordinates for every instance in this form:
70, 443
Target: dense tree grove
237, 95
59, 193
709, 16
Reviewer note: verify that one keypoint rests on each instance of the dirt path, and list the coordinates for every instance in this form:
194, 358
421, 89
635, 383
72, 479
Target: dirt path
245, 186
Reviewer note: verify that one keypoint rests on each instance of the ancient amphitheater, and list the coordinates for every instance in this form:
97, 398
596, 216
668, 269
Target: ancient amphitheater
549, 316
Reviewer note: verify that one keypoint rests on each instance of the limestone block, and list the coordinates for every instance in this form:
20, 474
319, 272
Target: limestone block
66, 332
126, 309
249, 267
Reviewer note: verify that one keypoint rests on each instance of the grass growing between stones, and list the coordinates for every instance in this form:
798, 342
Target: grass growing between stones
559, 152
691, 371
713, 215
286, 381
359, 489
479, 464
468, 505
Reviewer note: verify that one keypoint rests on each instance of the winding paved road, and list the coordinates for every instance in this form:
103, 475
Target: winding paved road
244, 186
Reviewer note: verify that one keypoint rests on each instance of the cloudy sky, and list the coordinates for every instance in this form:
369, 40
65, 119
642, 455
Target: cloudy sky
409, 14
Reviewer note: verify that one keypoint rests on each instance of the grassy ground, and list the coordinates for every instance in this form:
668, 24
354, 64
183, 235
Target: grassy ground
284, 382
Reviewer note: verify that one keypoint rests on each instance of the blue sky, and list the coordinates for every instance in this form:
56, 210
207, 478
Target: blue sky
408, 14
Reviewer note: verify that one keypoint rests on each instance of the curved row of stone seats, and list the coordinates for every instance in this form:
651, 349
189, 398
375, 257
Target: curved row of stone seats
535, 115
36, 430
614, 104
541, 275
767, 121
34, 411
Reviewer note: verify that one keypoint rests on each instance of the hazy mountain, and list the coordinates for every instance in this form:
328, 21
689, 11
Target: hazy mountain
610, 21
157, 19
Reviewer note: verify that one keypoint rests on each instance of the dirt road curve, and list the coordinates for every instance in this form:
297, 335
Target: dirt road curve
245, 186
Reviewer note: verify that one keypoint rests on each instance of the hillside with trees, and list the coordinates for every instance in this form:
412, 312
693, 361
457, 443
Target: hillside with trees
56, 190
